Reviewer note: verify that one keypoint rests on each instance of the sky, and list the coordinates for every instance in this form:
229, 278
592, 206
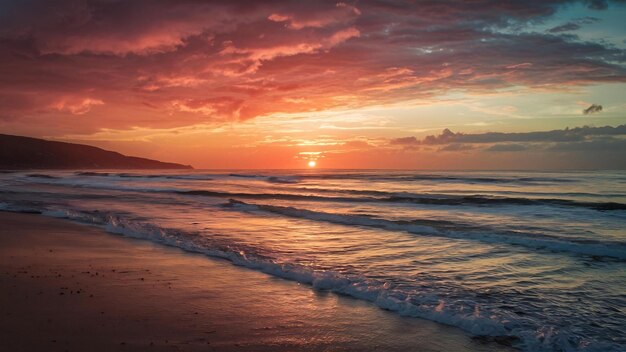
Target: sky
451, 84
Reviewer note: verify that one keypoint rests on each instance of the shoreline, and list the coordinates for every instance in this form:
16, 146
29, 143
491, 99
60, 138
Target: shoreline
68, 286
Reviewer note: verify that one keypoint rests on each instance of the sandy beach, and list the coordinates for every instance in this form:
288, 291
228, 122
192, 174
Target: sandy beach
70, 287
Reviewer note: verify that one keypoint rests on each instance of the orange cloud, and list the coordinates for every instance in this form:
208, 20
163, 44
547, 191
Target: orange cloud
76, 106
136, 67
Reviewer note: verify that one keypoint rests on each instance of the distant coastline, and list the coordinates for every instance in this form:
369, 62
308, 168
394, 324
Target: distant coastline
26, 153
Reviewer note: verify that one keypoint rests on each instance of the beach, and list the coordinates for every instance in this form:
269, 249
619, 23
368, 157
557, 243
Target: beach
72, 287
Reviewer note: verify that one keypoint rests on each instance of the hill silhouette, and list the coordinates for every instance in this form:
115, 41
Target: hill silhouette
17, 152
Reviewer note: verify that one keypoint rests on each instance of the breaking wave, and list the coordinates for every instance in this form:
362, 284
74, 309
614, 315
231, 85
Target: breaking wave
612, 249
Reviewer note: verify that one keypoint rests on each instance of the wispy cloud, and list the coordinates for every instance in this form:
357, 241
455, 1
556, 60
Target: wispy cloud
573, 25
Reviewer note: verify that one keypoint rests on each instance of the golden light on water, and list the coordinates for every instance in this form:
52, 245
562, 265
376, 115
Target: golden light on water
312, 163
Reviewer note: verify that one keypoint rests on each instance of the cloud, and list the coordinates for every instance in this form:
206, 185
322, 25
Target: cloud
257, 55
593, 109
507, 148
115, 27
570, 26
342, 13
357, 144
574, 25
405, 141
520, 66
200, 107
456, 147
577, 134
76, 105
571, 148
590, 146
597, 4
587, 20
152, 61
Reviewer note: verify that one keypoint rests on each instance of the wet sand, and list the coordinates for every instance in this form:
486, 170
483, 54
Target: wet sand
70, 287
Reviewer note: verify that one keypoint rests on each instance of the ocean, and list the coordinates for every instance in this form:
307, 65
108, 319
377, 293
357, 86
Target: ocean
532, 259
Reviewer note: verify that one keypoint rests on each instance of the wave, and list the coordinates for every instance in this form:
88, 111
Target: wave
595, 248
470, 313
352, 195
199, 177
484, 200
16, 208
377, 292
91, 173
140, 176
408, 177
429, 199
438, 177
276, 179
297, 177
246, 175
42, 176
534, 194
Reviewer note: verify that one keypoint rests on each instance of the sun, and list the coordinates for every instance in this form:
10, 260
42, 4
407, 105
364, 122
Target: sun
312, 163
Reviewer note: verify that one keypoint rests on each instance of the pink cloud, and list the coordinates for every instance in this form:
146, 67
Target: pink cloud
341, 13
165, 64
75, 105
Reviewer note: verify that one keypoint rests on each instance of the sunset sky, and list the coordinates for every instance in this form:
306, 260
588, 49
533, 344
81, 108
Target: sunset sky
356, 84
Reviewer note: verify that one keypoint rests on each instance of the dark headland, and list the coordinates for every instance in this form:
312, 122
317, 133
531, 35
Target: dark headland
18, 152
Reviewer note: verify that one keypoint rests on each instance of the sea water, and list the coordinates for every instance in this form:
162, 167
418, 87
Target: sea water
532, 259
